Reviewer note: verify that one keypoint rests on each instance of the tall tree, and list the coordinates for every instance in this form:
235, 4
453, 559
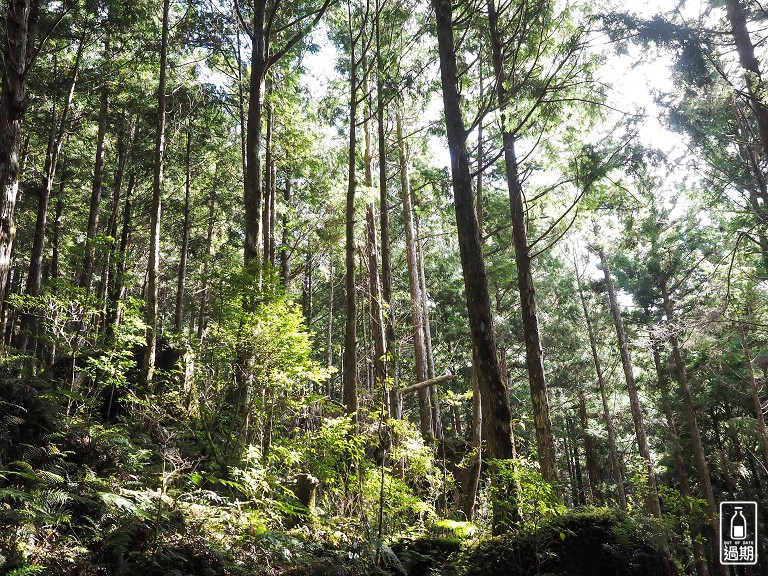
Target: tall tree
153, 261
269, 16
652, 501
21, 25
497, 429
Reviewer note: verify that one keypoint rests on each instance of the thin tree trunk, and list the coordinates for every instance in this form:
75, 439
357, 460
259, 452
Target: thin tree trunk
268, 173
476, 463
153, 267
419, 346
115, 293
201, 323
590, 453
178, 317
754, 387
329, 329
114, 215
285, 263
699, 555
690, 413
377, 319
386, 257
616, 466
497, 428
98, 180
652, 503
534, 355
21, 23
55, 241
437, 419
350, 334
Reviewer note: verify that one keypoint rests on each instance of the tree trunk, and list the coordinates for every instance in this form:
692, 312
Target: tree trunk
590, 453
534, 355
208, 256
115, 292
699, 555
377, 319
476, 463
748, 61
55, 143
153, 267
616, 466
178, 317
55, 241
652, 503
437, 419
98, 180
285, 263
252, 183
419, 346
690, 414
21, 23
266, 215
329, 329
495, 407
349, 387
754, 386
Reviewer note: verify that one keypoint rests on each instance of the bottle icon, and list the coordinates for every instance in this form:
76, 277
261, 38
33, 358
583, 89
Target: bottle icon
738, 525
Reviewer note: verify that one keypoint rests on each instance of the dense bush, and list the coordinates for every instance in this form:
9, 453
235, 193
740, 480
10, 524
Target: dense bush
587, 542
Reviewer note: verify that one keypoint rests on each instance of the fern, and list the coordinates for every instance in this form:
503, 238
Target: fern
26, 570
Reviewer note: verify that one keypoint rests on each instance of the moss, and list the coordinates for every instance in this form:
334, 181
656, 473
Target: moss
588, 542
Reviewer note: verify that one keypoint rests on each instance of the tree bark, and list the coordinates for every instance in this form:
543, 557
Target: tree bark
181, 280
419, 346
153, 266
652, 503
533, 349
21, 23
616, 466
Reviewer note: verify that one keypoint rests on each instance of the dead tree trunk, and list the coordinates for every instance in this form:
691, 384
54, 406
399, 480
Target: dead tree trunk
419, 351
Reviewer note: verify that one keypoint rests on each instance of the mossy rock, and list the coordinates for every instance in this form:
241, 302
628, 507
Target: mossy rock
589, 542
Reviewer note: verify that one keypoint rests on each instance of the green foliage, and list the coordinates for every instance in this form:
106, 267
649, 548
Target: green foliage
520, 496
591, 541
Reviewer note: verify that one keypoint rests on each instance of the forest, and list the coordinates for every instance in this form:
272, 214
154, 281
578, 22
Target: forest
386, 287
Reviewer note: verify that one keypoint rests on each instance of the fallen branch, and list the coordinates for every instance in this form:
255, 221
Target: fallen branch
446, 377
